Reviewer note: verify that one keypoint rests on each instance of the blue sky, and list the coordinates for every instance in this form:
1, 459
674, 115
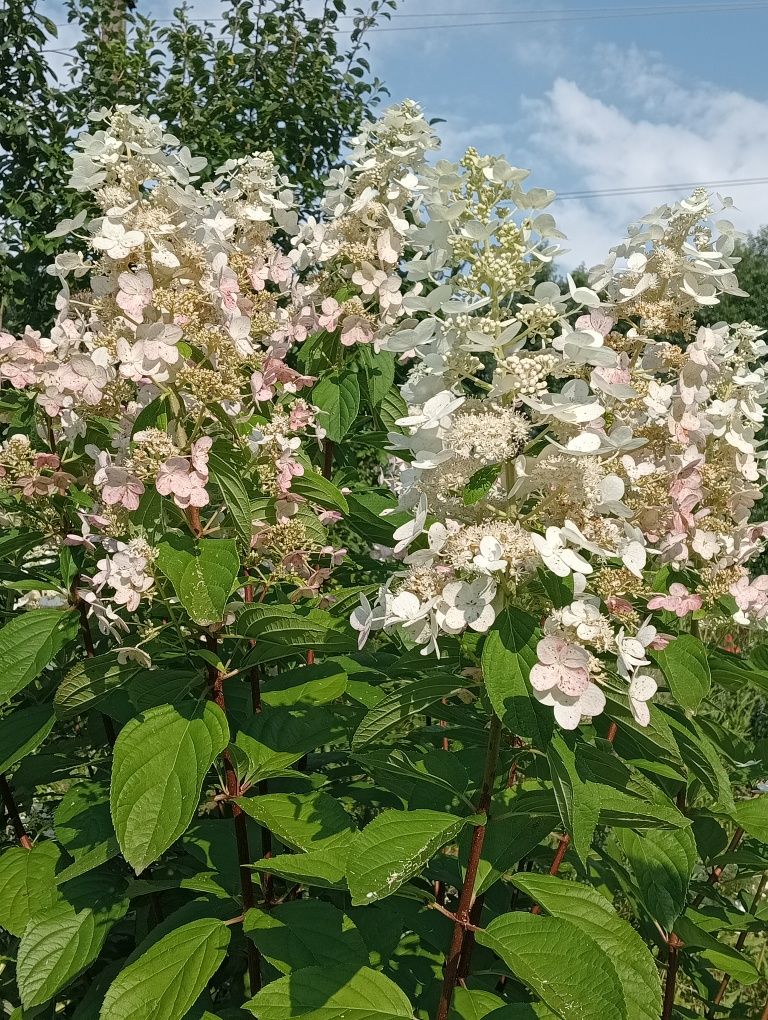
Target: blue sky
588, 104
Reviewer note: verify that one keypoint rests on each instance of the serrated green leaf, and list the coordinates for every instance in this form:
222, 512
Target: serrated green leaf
84, 823
160, 762
90, 682
325, 867
319, 491
60, 943
164, 982
593, 914
28, 643
473, 1004
274, 740
509, 653
305, 933
577, 801
202, 574
303, 821
281, 630
229, 480
379, 370
401, 705
22, 731
480, 484
318, 684
685, 667
320, 994
338, 397
662, 861
752, 816
718, 954
560, 963
393, 848
27, 884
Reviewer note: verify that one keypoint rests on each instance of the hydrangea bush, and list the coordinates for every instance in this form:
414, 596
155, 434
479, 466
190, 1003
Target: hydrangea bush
365, 596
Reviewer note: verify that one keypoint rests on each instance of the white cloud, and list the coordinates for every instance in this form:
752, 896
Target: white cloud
698, 133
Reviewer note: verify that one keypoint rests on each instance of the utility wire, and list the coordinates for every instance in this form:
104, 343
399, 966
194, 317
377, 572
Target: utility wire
536, 16
650, 189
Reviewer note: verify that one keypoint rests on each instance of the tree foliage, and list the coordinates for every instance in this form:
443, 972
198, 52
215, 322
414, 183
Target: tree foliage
261, 74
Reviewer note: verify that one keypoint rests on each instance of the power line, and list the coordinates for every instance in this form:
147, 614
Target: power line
650, 189
529, 17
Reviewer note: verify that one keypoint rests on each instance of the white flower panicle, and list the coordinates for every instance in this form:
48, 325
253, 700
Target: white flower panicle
582, 439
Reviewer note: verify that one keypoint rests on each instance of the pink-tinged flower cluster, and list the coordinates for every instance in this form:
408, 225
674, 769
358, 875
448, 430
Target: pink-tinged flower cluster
185, 478
590, 436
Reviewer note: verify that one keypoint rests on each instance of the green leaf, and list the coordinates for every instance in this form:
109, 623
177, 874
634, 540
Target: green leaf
90, 682
229, 480
305, 933
401, 705
480, 484
595, 915
60, 943
165, 981
752, 816
28, 643
662, 861
577, 803
319, 491
282, 630
303, 821
27, 884
338, 397
274, 740
318, 684
320, 994
379, 372
509, 653
160, 761
365, 516
22, 731
393, 848
718, 954
325, 867
84, 823
560, 962
202, 574
473, 1004
685, 667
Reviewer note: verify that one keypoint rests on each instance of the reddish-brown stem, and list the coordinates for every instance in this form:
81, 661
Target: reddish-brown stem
469, 938
673, 962
715, 873
764, 1014
613, 729
216, 688
14, 817
557, 860
467, 894
193, 519
719, 994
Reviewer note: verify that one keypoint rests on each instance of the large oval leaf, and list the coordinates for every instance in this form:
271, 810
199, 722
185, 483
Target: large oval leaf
594, 915
566, 968
161, 759
362, 994
164, 982
27, 645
